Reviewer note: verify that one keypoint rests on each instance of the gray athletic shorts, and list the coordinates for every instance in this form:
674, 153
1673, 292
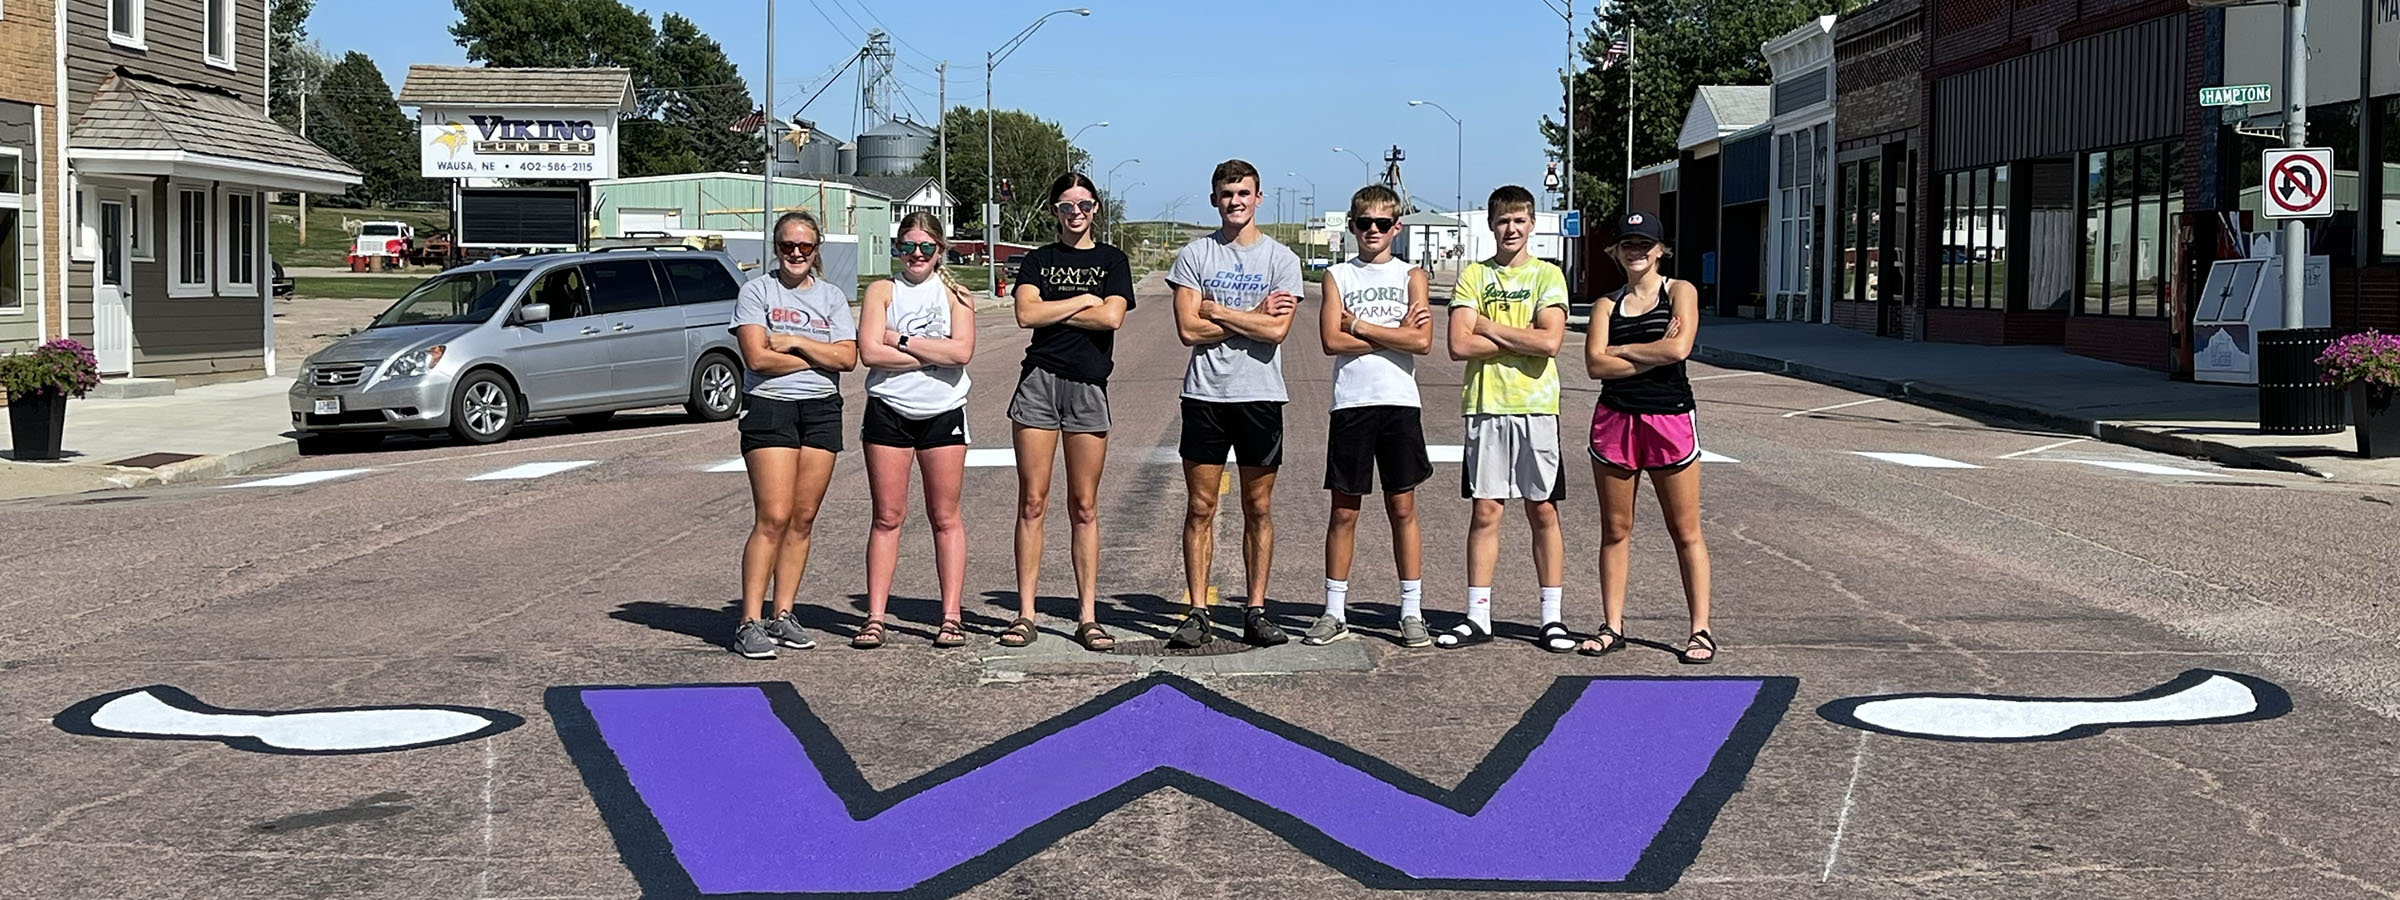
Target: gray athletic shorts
1510, 457
1046, 401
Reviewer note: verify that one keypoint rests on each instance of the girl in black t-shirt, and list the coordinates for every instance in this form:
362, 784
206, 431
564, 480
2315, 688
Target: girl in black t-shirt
1074, 294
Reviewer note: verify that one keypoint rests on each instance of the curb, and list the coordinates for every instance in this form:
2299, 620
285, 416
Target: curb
202, 468
1968, 402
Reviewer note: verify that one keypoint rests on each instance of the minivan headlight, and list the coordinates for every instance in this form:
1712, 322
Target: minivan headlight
415, 363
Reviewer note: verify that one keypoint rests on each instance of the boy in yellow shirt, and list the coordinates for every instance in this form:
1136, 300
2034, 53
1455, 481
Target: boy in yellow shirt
1508, 317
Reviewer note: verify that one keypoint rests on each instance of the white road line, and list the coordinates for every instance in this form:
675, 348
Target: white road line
735, 464
992, 457
2043, 448
1708, 457
1918, 460
1727, 375
542, 448
297, 479
1858, 763
529, 471
2142, 467
1446, 453
1803, 412
1165, 456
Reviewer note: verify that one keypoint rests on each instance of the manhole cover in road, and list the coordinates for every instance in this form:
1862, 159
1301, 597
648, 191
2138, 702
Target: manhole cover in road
1218, 647
154, 460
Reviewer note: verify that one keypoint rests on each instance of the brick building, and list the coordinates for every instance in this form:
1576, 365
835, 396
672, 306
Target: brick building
1879, 65
31, 292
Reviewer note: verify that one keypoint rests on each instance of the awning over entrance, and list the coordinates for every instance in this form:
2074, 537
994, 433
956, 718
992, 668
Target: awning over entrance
145, 126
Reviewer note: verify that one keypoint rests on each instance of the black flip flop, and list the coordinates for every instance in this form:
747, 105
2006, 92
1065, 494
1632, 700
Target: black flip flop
1464, 634
1615, 643
1702, 640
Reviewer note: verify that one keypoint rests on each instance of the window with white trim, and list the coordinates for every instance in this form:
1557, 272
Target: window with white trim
239, 243
83, 239
125, 21
12, 235
217, 20
187, 244
137, 217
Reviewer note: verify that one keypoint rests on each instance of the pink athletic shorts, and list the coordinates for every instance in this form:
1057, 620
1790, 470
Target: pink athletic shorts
1636, 441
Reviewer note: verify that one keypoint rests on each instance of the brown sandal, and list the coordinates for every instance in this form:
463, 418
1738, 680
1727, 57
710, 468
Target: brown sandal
1020, 633
952, 634
1094, 638
869, 637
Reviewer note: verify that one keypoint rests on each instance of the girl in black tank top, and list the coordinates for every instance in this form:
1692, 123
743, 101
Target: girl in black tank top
1644, 418
1660, 391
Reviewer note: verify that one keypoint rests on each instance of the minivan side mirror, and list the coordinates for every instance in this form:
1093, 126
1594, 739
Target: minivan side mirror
533, 312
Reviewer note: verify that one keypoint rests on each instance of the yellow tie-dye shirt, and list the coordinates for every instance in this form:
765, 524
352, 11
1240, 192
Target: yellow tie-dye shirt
1511, 383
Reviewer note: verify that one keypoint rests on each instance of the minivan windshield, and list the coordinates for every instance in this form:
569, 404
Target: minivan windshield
454, 298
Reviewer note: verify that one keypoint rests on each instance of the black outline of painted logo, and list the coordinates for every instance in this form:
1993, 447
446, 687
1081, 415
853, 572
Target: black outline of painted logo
77, 719
2273, 702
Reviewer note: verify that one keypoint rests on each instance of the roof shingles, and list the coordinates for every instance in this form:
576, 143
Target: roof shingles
468, 85
136, 112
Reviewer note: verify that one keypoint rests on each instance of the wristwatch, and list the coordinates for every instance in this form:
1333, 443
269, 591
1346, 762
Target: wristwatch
904, 342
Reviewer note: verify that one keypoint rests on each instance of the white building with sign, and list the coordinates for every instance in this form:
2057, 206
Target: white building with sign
1798, 249
483, 128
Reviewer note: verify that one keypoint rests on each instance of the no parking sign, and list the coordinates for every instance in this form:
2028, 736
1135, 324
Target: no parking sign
2299, 183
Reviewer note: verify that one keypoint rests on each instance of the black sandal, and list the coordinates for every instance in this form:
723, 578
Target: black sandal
1609, 640
869, 636
1700, 640
1556, 638
952, 634
1094, 638
1463, 634
1020, 633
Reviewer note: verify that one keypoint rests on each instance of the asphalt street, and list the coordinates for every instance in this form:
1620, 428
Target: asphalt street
579, 581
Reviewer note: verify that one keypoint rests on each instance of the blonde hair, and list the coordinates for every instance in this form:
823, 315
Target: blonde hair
932, 224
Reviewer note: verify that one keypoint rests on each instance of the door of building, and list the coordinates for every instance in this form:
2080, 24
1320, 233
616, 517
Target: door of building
112, 289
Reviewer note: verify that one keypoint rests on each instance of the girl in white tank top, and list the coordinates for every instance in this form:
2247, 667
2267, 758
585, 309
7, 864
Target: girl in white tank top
920, 310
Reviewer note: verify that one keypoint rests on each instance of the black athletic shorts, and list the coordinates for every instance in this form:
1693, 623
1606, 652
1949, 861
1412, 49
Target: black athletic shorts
884, 426
1252, 430
1367, 438
793, 424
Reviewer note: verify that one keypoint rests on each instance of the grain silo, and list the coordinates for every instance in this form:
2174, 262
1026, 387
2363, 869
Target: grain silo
893, 148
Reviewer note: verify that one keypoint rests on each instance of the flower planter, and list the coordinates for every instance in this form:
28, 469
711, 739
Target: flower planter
37, 424
2373, 409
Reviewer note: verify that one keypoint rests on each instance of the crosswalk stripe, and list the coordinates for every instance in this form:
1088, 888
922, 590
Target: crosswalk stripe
991, 457
2144, 468
297, 479
732, 465
1709, 457
532, 470
1918, 460
1446, 453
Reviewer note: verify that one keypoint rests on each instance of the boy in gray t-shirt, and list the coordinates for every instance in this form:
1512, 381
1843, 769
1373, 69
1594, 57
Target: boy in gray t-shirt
1235, 293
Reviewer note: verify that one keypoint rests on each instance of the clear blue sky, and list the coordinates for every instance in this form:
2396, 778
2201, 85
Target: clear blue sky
1183, 85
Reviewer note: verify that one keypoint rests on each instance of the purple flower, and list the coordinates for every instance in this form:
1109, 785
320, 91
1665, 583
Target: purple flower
2370, 357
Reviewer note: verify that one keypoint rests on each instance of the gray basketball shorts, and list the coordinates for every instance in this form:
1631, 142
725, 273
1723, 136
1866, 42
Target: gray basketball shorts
1049, 402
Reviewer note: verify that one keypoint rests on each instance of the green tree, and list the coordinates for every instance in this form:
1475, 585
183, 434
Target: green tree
709, 97
1678, 46
354, 117
521, 34
1032, 153
297, 63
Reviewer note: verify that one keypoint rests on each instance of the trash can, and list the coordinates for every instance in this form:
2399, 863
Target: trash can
2293, 398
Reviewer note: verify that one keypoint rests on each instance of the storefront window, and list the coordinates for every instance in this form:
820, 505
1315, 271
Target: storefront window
1852, 280
1870, 214
2095, 233
1973, 257
2387, 153
2131, 196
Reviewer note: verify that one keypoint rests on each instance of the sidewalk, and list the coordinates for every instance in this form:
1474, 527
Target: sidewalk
2044, 386
195, 433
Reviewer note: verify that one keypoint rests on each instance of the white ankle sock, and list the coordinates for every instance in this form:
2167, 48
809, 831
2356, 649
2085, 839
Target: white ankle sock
1479, 606
1551, 601
1337, 593
1412, 598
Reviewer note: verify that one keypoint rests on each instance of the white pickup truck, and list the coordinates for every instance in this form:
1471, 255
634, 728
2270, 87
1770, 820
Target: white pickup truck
386, 244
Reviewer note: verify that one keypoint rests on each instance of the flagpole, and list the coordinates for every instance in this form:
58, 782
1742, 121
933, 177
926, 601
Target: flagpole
766, 205
1629, 115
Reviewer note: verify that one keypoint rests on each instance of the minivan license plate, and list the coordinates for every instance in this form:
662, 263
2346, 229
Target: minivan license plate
329, 407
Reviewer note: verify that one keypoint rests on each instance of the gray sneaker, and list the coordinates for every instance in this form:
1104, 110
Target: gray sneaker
786, 631
751, 640
1326, 630
1413, 632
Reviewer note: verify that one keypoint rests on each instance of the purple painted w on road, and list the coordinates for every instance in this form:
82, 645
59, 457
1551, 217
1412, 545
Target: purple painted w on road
1606, 784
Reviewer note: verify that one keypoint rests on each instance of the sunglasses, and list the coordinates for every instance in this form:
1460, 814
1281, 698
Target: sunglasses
1072, 207
1373, 223
804, 248
915, 248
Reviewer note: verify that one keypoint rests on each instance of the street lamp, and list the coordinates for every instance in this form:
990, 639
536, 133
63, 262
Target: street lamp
1362, 164
1069, 163
1308, 203
1458, 197
991, 178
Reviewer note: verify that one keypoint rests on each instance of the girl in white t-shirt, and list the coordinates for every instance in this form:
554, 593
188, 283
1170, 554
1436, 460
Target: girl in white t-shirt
916, 332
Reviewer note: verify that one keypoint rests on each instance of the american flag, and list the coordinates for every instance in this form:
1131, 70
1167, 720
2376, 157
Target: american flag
754, 121
1617, 52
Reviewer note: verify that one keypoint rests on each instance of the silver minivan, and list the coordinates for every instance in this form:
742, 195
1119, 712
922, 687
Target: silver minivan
479, 349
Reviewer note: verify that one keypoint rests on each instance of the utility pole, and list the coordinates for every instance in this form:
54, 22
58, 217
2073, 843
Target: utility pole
303, 194
2295, 134
941, 131
766, 124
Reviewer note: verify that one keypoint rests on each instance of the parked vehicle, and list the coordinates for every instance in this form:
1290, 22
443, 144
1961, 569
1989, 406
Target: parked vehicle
387, 245
479, 349
282, 283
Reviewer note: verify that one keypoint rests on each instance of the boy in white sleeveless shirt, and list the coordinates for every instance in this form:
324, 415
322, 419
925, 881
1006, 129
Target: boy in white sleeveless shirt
1378, 319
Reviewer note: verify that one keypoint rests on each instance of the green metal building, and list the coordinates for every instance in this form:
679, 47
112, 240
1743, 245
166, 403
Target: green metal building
726, 203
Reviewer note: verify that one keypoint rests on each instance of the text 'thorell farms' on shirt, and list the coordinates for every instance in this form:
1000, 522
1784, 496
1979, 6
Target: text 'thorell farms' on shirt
1238, 369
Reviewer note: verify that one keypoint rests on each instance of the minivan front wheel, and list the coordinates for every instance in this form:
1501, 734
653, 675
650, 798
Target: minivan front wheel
484, 409
716, 389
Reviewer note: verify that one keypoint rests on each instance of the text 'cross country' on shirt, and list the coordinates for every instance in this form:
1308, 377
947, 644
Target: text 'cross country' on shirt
1238, 369
1059, 272
1511, 383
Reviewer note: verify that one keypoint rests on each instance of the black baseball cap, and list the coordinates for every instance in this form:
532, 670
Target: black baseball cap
1642, 225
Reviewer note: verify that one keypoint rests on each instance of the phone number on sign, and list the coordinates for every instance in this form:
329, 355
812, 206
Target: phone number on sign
555, 167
